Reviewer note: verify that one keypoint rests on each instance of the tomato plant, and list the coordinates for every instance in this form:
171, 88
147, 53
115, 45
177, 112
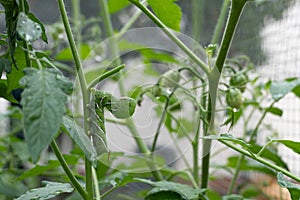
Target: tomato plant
61, 80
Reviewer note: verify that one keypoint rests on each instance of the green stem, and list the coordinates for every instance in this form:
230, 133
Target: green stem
171, 35
261, 160
68, 171
85, 92
195, 145
265, 147
221, 22
238, 168
97, 190
214, 77
161, 121
197, 18
143, 148
237, 7
254, 133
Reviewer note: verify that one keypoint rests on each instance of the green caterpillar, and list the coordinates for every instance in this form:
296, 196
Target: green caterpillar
121, 108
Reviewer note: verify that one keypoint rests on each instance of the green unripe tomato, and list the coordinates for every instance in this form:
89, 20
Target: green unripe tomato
239, 81
123, 108
234, 98
170, 78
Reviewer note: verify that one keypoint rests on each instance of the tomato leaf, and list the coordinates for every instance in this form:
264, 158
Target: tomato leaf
28, 29
270, 155
16, 74
168, 12
279, 89
117, 5
275, 111
3, 92
249, 165
51, 189
183, 192
43, 101
81, 139
295, 146
294, 189
35, 19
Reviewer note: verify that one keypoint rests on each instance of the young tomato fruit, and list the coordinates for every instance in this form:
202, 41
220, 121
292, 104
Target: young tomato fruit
239, 81
234, 98
170, 78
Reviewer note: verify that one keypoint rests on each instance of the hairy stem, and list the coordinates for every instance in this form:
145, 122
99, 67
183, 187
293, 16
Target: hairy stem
85, 92
214, 77
67, 170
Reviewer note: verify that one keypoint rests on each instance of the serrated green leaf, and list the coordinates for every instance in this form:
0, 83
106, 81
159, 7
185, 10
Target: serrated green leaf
185, 192
295, 146
248, 165
36, 20
296, 91
117, 5
27, 29
43, 101
294, 189
168, 12
51, 189
279, 89
81, 139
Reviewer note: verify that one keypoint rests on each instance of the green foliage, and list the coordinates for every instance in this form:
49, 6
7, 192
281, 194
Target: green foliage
165, 188
117, 5
269, 154
81, 139
282, 88
11, 15
43, 101
5, 65
10, 187
66, 53
294, 189
168, 12
27, 29
295, 146
248, 165
46, 93
16, 75
43, 169
51, 189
